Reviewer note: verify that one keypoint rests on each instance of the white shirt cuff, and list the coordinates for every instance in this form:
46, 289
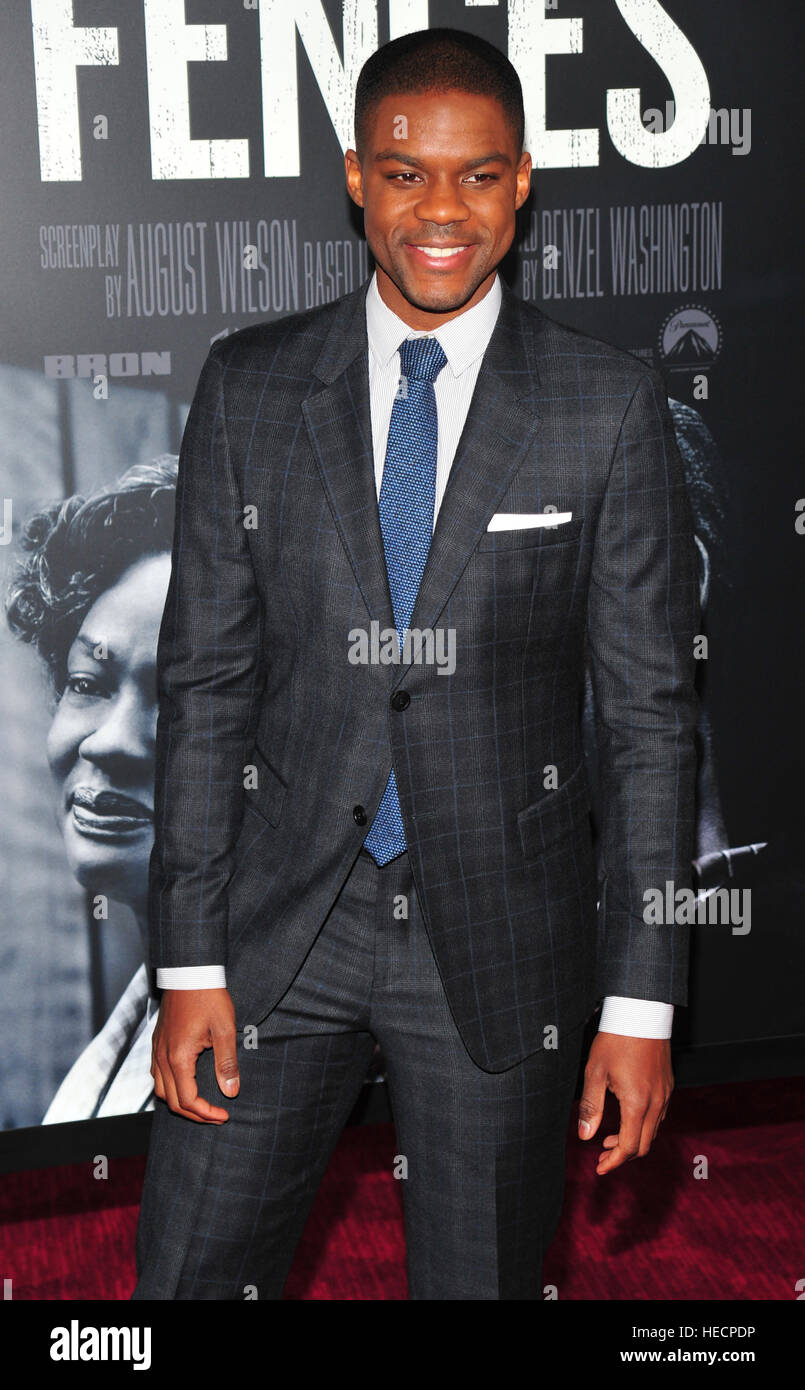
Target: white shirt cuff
191, 977
636, 1018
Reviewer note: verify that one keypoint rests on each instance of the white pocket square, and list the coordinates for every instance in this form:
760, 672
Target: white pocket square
521, 521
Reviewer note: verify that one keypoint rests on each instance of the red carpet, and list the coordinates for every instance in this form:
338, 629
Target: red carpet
652, 1230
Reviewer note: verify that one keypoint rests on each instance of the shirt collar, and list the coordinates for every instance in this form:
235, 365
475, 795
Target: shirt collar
463, 339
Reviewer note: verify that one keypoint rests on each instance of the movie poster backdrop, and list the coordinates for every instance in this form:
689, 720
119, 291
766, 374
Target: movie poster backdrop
172, 170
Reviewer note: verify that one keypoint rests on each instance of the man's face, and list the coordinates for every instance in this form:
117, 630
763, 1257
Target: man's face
441, 172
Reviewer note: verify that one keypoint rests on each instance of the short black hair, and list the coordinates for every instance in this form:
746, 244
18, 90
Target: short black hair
75, 549
438, 60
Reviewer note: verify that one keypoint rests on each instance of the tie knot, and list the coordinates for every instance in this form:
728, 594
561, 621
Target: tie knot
421, 358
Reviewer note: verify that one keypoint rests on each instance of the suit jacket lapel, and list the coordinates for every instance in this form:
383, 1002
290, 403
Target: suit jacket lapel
499, 429
338, 421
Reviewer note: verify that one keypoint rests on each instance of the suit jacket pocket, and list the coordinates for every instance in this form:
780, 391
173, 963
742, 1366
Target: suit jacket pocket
559, 812
532, 537
268, 796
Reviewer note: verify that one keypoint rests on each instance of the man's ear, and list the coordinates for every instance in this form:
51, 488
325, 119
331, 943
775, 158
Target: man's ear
524, 172
354, 177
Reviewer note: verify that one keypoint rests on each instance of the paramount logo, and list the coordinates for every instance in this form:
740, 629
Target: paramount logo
75, 1343
722, 906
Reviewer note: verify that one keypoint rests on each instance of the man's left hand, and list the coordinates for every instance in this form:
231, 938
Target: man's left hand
638, 1071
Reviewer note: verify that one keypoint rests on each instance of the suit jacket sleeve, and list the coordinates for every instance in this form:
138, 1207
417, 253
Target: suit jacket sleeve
210, 676
643, 615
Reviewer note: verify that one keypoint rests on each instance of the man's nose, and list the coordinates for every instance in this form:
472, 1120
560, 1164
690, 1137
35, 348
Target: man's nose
442, 202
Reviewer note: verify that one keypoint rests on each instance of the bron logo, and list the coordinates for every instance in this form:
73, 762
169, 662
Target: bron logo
690, 339
117, 364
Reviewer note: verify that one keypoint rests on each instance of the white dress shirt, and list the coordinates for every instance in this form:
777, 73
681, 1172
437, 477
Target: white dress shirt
464, 341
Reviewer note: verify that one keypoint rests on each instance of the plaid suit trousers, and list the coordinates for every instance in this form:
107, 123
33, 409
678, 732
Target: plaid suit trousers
224, 1206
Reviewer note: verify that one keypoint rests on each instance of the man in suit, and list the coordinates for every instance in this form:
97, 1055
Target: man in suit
352, 848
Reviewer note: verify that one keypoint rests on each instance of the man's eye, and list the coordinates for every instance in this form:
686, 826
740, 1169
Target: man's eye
409, 174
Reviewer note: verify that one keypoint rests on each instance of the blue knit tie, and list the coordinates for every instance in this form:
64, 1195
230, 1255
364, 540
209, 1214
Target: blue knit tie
407, 496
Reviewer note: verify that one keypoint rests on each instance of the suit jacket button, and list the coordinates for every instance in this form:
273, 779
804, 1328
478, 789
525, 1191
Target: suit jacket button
400, 700
359, 815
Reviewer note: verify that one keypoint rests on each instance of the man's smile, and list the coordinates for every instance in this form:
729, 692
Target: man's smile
439, 255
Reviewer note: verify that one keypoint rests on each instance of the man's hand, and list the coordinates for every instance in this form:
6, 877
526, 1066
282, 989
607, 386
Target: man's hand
190, 1020
638, 1071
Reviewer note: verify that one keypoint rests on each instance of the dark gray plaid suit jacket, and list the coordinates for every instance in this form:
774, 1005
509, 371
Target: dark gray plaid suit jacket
273, 749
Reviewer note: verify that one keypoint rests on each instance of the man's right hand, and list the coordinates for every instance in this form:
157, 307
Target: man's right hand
189, 1021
